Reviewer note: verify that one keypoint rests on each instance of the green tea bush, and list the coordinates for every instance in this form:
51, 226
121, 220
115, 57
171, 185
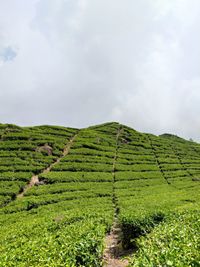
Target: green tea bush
175, 242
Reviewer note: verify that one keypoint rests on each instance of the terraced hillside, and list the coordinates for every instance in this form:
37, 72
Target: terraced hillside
86, 197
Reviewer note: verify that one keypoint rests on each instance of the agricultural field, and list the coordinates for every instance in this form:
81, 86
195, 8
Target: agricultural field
64, 192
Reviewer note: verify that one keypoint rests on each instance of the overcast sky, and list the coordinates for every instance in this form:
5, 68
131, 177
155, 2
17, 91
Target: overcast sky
83, 62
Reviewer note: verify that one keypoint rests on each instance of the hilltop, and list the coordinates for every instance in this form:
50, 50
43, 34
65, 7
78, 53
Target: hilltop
88, 197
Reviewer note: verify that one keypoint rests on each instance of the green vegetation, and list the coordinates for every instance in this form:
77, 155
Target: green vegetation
151, 184
175, 242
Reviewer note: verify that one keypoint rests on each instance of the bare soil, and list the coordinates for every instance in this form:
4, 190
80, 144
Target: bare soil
33, 181
114, 253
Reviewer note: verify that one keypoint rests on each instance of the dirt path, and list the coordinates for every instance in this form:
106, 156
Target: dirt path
35, 179
174, 148
157, 160
113, 253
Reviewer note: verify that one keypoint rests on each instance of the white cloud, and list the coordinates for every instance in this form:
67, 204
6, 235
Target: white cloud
87, 61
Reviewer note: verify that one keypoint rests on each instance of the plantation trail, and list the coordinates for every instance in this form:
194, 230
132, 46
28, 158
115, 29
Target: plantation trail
35, 179
157, 160
114, 251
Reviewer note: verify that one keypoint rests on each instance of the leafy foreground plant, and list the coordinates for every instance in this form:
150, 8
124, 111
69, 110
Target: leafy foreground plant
175, 242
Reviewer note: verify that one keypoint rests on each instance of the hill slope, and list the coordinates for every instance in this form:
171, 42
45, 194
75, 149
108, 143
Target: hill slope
63, 189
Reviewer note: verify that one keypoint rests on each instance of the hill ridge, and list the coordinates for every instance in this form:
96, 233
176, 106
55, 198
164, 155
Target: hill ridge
95, 126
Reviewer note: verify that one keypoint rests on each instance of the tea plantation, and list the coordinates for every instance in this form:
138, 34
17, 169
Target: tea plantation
84, 179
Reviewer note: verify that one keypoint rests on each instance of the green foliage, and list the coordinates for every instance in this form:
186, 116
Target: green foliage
55, 177
152, 182
85, 167
175, 242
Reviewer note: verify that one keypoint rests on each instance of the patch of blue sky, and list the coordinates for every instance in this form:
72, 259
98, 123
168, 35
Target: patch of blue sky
7, 54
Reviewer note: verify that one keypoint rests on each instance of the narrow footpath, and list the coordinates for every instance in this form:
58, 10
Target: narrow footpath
193, 178
114, 252
157, 160
35, 178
